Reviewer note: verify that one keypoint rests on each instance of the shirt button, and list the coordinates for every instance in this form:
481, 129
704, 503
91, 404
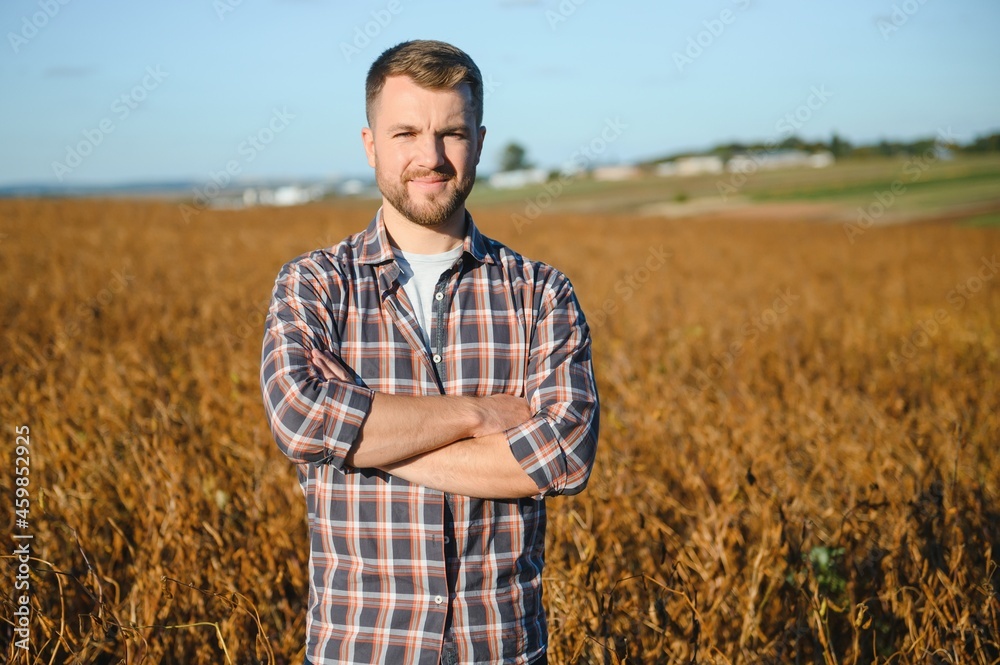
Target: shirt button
438, 296
438, 599
437, 358
447, 540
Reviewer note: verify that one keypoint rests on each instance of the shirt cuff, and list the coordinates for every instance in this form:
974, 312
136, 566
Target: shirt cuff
535, 446
349, 406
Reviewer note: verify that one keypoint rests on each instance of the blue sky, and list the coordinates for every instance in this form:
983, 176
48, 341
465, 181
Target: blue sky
174, 90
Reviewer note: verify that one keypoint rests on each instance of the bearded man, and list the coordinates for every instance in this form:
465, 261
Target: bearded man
432, 387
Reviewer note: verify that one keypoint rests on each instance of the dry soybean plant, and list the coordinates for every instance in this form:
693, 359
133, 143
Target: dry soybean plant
798, 458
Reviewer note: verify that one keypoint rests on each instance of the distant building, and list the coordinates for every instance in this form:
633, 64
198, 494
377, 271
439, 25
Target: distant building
699, 165
283, 195
666, 169
782, 159
517, 179
616, 173
688, 166
821, 160
291, 195
352, 187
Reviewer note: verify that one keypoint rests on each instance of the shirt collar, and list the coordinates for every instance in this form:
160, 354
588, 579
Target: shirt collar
375, 248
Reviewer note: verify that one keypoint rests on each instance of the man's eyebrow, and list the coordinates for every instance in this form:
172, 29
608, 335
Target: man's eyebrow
400, 127
449, 129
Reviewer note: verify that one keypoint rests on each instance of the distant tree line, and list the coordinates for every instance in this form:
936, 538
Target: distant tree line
841, 147
514, 156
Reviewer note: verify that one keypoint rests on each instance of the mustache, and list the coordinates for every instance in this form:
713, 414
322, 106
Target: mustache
428, 173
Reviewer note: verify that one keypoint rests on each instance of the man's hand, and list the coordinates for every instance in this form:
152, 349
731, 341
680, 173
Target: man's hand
328, 365
499, 413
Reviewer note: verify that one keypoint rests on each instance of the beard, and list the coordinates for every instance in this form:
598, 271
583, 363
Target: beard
435, 210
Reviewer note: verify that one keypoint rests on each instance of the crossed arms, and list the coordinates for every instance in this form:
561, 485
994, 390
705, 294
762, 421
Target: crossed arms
446, 442
497, 447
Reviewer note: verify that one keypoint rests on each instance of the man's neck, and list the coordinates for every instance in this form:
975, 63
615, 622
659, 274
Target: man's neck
420, 239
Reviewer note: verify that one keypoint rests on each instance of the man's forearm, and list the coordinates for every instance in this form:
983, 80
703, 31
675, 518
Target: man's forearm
484, 468
399, 427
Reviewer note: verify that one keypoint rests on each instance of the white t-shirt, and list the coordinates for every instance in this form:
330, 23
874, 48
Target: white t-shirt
419, 279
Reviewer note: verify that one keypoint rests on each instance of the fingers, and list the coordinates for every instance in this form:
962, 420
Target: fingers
328, 366
502, 412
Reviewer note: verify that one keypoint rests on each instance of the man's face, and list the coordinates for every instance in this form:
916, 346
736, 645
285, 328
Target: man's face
424, 145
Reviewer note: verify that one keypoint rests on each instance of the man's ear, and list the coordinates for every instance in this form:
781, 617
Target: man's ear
482, 136
368, 138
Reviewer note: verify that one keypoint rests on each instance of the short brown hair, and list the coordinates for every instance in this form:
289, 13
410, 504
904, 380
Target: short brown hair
431, 64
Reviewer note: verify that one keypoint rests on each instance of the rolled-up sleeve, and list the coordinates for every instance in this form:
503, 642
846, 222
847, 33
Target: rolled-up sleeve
556, 447
313, 420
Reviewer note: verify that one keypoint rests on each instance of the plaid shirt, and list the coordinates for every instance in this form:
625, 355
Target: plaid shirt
395, 566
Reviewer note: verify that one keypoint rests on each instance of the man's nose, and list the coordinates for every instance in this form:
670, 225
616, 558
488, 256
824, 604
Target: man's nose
430, 151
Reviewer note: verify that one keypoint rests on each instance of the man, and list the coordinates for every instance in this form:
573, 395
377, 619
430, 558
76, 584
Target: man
432, 387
